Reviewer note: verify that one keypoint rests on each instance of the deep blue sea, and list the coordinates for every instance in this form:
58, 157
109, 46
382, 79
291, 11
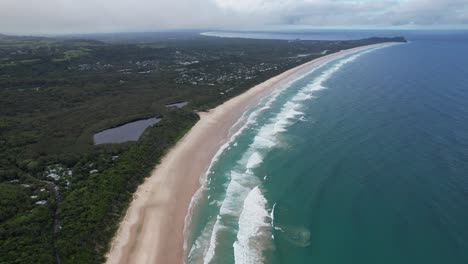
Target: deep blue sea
362, 160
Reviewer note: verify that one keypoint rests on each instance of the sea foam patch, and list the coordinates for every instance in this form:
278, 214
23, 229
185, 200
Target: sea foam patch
254, 233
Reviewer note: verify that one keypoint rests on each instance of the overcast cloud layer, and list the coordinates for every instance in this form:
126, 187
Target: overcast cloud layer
81, 16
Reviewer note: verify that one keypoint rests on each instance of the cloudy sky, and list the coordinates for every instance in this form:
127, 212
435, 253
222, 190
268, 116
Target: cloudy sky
82, 16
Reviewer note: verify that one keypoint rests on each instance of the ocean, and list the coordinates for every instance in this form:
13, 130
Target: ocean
361, 160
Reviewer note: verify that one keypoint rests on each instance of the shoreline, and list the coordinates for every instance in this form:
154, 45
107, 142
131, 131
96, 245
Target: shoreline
152, 230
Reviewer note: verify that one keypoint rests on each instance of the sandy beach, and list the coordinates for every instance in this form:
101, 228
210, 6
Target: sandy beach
152, 230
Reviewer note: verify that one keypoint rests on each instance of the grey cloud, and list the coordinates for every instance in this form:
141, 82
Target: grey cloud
382, 13
429, 12
64, 16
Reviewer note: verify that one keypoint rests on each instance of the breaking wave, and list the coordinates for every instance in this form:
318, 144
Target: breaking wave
254, 229
244, 206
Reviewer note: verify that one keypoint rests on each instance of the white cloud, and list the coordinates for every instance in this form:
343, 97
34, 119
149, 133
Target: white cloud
61, 16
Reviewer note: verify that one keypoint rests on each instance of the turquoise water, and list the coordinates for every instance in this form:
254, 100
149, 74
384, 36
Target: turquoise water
362, 160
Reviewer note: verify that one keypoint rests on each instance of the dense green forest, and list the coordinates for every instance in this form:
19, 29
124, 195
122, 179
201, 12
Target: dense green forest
61, 196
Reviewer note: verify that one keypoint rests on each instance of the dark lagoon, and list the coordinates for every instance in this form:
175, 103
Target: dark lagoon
124, 133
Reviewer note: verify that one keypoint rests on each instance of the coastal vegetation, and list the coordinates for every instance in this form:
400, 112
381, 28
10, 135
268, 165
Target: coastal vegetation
61, 196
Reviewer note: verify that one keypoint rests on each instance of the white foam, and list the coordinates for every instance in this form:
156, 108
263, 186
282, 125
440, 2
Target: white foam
254, 229
289, 111
254, 161
235, 194
266, 136
197, 198
210, 253
200, 247
237, 190
242, 183
302, 96
272, 216
248, 119
254, 225
318, 83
